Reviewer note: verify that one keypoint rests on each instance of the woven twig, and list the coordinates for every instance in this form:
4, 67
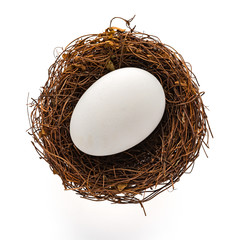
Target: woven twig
144, 171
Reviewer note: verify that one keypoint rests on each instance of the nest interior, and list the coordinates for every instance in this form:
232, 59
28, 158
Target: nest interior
157, 163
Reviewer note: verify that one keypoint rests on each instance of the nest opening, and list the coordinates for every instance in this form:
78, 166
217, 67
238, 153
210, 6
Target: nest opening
142, 172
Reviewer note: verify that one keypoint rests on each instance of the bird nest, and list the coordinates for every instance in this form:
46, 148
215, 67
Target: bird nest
142, 172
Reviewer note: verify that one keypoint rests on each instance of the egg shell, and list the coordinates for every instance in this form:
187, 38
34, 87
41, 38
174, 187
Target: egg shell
117, 112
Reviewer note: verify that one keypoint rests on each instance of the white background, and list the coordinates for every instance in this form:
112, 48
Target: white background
205, 204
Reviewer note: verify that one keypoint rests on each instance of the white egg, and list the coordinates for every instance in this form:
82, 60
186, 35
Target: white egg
117, 112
